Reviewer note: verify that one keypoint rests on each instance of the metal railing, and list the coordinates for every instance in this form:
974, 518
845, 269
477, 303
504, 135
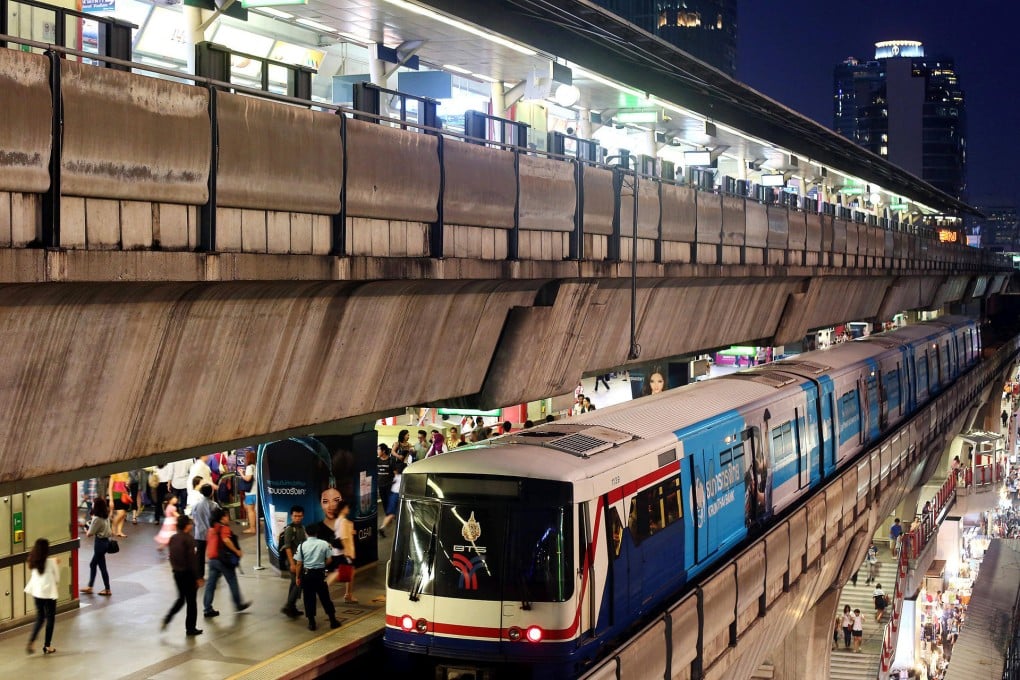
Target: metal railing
207, 241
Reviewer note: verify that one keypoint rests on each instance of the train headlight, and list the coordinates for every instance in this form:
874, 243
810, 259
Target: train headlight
406, 622
421, 625
514, 634
534, 634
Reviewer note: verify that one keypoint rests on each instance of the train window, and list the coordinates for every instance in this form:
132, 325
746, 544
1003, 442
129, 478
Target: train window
784, 446
849, 416
614, 525
655, 508
891, 385
922, 374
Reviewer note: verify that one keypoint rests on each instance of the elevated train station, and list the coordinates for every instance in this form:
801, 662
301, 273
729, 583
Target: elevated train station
246, 266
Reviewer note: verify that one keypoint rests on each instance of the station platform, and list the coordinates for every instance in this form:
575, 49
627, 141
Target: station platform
120, 637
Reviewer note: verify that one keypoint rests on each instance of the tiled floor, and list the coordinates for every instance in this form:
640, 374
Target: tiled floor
120, 637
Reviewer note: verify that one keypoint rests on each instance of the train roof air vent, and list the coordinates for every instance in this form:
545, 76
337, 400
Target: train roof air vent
769, 378
589, 441
807, 366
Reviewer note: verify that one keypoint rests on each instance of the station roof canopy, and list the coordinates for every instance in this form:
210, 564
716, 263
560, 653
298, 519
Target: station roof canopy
605, 50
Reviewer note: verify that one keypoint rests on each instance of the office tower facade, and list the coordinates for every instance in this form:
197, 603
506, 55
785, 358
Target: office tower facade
999, 229
705, 29
908, 108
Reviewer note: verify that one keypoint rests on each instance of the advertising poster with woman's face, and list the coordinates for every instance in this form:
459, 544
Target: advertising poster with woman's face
316, 474
649, 378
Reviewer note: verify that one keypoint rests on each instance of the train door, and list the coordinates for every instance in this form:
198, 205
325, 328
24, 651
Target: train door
828, 414
883, 401
871, 403
812, 434
908, 391
621, 552
703, 543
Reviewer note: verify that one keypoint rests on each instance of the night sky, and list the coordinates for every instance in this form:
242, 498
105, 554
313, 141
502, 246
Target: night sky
787, 51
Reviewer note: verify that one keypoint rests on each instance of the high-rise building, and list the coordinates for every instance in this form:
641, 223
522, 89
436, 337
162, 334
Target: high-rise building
999, 229
705, 29
906, 107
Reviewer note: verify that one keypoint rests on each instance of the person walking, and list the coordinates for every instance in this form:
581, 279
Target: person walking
179, 482
250, 478
858, 630
871, 559
222, 555
310, 563
385, 465
119, 493
895, 531
101, 531
42, 586
201, 516
848, 624
169, 526
345, 532
163, 475
393, 502
880, 602
602, 378
837, 627
187, 577
293, 536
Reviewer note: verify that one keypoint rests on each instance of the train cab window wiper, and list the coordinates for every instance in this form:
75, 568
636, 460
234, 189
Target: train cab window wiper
430, 557
525, 594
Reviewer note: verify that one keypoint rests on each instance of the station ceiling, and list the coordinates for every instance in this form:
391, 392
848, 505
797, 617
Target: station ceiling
614, 62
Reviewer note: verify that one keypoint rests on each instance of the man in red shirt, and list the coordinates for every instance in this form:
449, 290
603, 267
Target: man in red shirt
223, 555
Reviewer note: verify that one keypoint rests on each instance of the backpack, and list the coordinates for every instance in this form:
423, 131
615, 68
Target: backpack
281, 541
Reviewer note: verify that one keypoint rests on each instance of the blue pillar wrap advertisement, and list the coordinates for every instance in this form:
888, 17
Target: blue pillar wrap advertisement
316, 473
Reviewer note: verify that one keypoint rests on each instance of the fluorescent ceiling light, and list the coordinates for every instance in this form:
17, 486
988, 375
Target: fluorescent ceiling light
316, 24
488, 79
417, 9
457, 69
275, 12
151, 61
608, 83
353, 38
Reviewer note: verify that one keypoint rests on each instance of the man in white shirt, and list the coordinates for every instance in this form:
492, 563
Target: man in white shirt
164, 474
179, 481
200, 468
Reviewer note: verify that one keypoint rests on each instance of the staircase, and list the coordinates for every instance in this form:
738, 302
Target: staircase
845, 664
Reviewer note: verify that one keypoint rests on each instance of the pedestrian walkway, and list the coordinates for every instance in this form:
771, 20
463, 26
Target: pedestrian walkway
120, 637
845, 664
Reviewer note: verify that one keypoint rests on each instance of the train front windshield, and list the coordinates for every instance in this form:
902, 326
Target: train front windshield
483, 538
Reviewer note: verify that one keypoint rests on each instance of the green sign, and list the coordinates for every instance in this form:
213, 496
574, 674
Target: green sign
494, 413
271, 3
234, 9
19, 527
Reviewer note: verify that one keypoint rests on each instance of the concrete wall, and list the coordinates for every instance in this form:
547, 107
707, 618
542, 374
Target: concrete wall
151, 368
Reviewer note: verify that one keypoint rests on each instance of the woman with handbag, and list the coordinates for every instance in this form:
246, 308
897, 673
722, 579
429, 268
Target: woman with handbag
99, 529
344, 572
119, 493
42, 586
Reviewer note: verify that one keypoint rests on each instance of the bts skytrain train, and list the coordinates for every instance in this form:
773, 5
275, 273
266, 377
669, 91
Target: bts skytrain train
531, 554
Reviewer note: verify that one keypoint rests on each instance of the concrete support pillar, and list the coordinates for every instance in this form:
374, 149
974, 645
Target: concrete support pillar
949, 542
805, 651
193, 32
376, 68
584, 123
498, 97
